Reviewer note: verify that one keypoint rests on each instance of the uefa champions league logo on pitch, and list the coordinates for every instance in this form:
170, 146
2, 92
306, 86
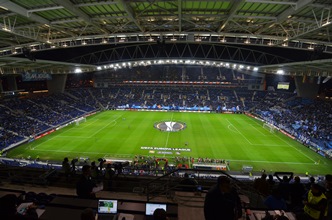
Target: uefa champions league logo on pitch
170, 126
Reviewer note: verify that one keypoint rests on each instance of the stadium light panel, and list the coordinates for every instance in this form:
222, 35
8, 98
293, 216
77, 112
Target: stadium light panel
280, 72
78, 70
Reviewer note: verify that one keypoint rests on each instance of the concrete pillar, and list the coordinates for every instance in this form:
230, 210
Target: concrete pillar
1, 87
306, 87
57, 84
11, 81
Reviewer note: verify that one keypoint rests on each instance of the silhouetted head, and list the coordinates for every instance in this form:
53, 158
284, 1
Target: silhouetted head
88, 214
8, 205
159, 214
86, 170
328, 181
270, 177
316, 189
312, 179
224, 184
297, 179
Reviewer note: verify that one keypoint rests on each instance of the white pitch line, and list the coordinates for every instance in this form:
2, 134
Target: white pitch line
114, 120
168, 134
229, 127
88, 123
271, 145
239, 132
78, 137
68, 151
257, 129
262, 161
295, 148
57, 136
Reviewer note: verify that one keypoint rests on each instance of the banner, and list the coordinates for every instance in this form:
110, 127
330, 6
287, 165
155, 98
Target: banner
34, 76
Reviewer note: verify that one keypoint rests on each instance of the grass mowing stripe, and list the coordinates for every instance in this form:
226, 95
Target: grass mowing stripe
169, 132
295, 148
218, 136
113, 121
239, 132
257, 129
262, 161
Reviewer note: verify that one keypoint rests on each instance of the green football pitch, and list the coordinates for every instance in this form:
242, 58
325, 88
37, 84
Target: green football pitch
239, 139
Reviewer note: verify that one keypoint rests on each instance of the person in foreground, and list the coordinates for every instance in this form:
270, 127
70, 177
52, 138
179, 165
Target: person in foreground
84, 187
315, 204
8, 211
222, 201
159, 214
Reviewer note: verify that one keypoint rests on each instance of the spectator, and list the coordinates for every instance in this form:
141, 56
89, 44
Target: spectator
271, 181
311, 181
188, 184
275, 201
8, 204
88, 214
315, 203
94, 170
262, 185
328, 194
109, 175
66, 167
160, 214
297, 191
84, 187
284, 185
222, 201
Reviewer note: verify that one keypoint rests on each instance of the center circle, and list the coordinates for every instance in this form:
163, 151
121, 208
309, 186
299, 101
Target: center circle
170, 126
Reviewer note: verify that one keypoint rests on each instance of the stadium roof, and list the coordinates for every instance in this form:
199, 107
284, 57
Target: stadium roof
43, 30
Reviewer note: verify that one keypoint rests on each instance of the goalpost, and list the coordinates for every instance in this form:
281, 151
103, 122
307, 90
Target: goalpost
270, 127
80, 120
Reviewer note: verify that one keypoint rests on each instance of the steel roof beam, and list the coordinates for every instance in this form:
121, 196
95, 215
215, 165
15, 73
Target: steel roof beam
307, 31
180, 14
272, 2
25, 13
131, 14
232, 12
22, 11
104, 2
316, 5
71, 7
300, 4
45, 9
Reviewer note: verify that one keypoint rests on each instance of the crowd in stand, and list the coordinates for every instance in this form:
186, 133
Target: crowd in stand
307, 120
26, 118
310, 201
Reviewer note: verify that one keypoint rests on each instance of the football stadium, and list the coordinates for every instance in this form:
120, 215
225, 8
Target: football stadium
176, 109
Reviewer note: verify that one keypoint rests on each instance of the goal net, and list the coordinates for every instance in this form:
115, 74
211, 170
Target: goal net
80, 120
269, 127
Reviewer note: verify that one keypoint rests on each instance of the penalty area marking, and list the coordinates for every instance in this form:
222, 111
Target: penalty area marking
257, 130
239, 132
262, 161
68, 151
296, 148
113, 121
